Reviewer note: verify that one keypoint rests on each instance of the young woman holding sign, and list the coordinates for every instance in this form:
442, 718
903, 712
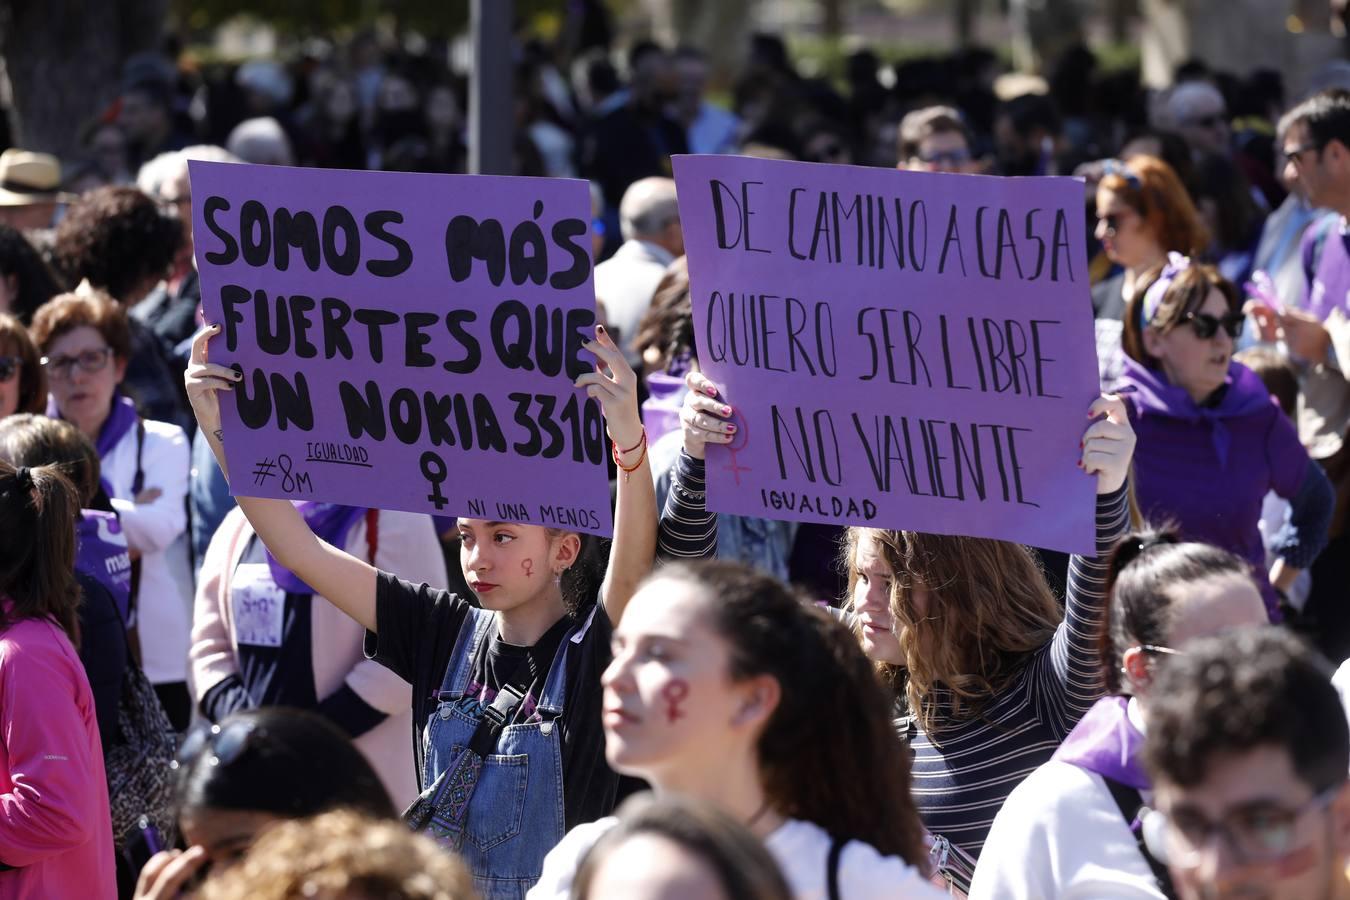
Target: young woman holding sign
988, 674
530, 652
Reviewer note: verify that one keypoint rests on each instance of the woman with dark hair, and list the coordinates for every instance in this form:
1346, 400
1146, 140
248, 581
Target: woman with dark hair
124, 244
669, 845
55, 832
26, 281
23, 380
728, 688
1212, 444
1066, 831
87, 341
528, 648
254, 769
988, 673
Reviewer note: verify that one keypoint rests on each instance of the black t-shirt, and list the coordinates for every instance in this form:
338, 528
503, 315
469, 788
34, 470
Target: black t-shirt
418, 626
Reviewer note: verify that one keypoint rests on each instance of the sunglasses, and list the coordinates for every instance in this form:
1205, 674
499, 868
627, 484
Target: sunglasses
1120, 170
1113, 221
9, 367
225, 745
1206, 326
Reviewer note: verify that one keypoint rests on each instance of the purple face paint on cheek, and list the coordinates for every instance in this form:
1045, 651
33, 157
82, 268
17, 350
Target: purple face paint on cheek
527, 566
674, 694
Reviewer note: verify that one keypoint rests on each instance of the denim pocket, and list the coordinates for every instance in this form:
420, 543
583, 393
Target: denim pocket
498, 806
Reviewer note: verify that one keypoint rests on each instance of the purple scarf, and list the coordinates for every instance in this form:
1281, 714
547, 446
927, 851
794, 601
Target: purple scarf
122, 418
1243, 395
1105, 741
329, 522
101, 553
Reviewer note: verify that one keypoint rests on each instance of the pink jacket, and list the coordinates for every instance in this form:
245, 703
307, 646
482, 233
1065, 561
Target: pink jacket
409, 548
55, 825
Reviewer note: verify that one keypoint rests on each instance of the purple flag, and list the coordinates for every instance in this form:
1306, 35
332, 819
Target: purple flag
407, 341
903, 350
101, 553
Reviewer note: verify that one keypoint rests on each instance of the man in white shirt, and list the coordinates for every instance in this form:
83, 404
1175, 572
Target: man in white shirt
649, 219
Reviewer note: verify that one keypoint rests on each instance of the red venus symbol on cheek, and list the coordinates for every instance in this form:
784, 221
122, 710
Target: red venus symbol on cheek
527, 566
674, 694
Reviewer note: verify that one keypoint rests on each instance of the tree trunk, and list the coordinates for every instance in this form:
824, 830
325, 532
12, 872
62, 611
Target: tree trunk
64, 62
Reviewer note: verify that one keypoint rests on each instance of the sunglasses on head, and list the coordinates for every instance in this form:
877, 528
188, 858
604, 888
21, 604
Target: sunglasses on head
225, 745
1206, 326
9, 367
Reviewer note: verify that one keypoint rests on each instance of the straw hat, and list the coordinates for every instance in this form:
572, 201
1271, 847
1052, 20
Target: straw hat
27, 178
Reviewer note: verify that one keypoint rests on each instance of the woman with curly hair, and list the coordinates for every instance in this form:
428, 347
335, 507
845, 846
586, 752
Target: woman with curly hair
123, 243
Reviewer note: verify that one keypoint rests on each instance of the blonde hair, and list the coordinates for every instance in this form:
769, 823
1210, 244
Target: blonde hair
342, 854
989, 606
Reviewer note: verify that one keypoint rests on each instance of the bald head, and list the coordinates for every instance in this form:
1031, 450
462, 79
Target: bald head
649, 212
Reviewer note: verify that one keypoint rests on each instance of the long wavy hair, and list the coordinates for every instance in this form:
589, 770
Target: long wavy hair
988, 607
808, 769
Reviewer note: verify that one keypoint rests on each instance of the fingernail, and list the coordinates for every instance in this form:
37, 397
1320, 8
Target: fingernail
599, 329
1080, 464
712, 391
731, 429
238, 376
726, 410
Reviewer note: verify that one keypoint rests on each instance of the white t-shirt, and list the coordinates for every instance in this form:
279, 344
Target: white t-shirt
1061, 836
801, 849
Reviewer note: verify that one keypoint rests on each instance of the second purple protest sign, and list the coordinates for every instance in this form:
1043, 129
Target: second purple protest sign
407, 341
903, 350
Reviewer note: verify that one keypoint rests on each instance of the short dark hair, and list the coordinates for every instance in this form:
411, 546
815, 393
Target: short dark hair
1325, 114
1259, 687
1145, 574
275, 771
116, 237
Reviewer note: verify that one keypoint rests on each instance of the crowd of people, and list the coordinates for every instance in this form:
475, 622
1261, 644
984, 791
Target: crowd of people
205, 699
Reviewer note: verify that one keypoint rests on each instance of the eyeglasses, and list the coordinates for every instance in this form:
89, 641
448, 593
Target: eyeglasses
9, 367
91, 361
1261, 835
1295, 154
1156, 650
225, 745
1206, 326
945, 157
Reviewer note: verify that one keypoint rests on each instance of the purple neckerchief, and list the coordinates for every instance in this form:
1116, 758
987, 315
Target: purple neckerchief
101, 553
1244, 395
329, 522
122, 418
1105, 741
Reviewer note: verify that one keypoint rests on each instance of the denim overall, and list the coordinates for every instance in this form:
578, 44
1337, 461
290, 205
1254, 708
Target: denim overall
515, 815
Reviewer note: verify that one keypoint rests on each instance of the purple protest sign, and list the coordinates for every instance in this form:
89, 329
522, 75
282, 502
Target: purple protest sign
903, 349
407, 341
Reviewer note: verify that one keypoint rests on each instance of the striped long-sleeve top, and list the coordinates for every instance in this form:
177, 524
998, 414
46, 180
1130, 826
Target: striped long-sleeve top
961, 781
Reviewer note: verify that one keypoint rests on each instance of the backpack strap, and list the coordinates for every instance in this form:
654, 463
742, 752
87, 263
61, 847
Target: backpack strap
832, 868
1130, 802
